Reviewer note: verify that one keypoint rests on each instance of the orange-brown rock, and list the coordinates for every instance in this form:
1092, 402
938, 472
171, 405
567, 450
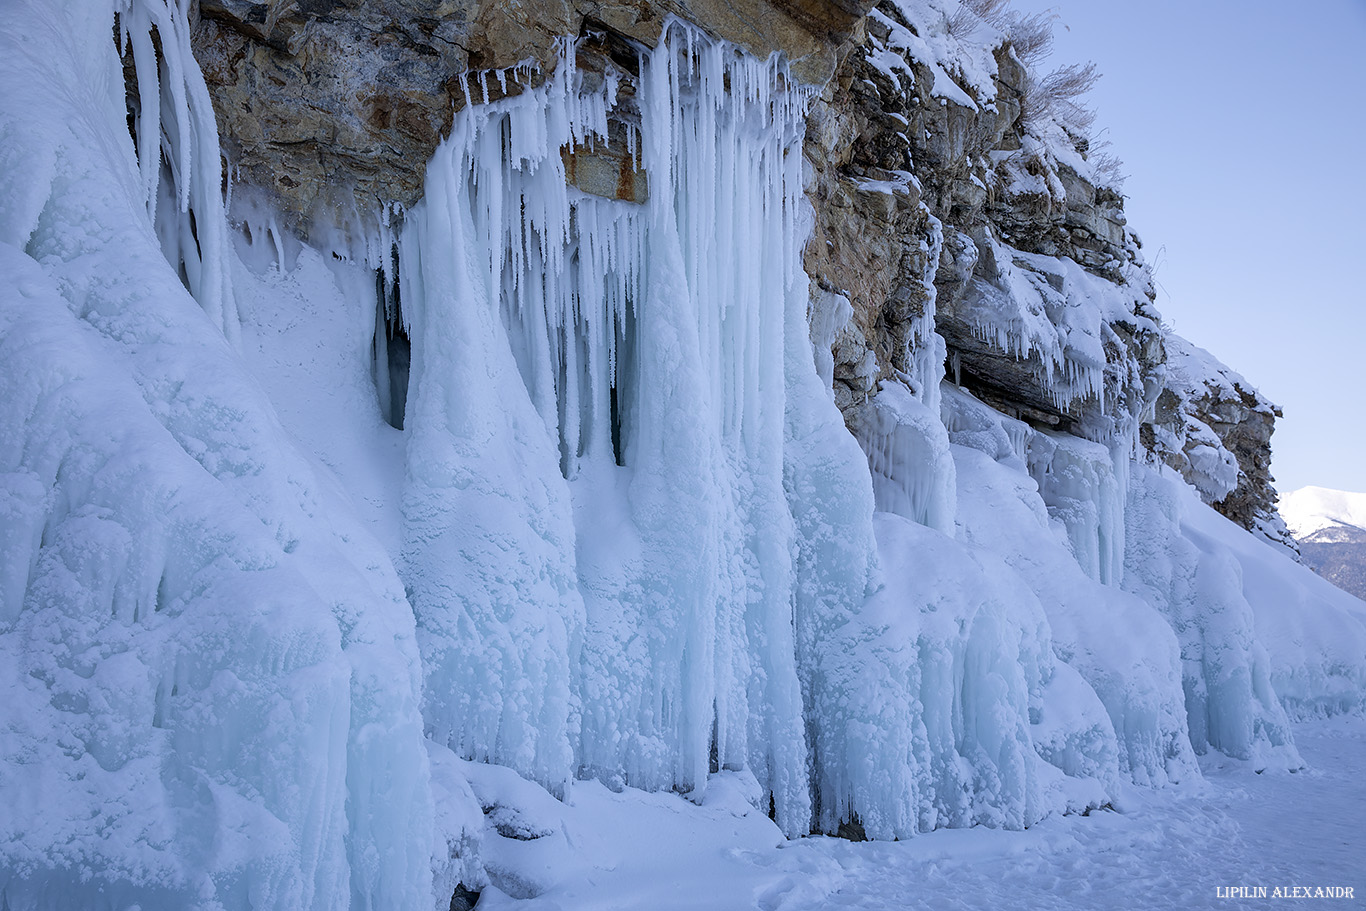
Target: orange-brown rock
333, 107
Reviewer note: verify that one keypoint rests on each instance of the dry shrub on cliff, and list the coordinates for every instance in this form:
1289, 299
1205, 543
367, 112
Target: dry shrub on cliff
1031, 36
971, 12
1107, 169
1058, 95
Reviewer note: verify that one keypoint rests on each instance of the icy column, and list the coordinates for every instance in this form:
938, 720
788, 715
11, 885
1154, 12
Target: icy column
488, 539
908, 455
1083, 484
179, 161
705, 660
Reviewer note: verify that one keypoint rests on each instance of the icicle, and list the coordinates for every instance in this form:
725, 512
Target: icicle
653, 335
176, 118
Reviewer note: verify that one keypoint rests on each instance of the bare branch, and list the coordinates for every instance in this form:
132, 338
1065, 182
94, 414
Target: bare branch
972, 12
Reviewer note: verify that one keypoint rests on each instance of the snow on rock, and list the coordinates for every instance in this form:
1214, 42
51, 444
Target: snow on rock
1215, 428
1058, 318
930, 39
525, 847
1199, 453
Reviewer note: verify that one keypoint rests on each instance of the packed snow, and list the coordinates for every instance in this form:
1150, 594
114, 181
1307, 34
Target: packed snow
623, 597
1181, 847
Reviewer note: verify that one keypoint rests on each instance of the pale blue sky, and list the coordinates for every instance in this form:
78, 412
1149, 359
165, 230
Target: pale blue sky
1242, 126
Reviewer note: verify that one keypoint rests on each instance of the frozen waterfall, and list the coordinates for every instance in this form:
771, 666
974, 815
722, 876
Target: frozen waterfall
270, 651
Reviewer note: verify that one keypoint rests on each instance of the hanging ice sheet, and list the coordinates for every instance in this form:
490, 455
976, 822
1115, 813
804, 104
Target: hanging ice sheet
210, 675
662, 357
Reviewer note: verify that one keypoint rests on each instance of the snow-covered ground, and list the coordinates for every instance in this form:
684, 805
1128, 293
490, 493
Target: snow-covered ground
1178, 848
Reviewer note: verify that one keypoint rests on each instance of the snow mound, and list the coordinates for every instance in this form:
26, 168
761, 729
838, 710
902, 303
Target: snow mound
1314, 633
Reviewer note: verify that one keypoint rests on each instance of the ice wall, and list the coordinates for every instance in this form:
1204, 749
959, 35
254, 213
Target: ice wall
1123, 649
211, 683
1261, 635
733, 612
1198, 585
647, 440
624, 534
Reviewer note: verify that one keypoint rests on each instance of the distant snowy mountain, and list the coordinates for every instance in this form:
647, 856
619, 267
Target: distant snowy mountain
1330, 526
1312, 509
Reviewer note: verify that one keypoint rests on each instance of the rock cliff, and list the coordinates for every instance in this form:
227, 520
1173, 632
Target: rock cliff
933, 183
1215, 428
967, 187
954, 190
334, 107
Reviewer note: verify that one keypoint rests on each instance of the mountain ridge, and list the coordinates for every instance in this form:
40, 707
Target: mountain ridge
1330, 527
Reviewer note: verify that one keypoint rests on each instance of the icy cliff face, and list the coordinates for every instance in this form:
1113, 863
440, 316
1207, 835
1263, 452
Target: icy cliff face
1215, 428
211, 676
949, 203
1018, 257
626, 453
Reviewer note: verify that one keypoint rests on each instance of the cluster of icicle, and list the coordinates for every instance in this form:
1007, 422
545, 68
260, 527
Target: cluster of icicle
640, 543
621, 390
178, 155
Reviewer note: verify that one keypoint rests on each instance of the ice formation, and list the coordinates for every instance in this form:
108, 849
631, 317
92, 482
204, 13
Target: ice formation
210, 672
650, 415
273, 652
